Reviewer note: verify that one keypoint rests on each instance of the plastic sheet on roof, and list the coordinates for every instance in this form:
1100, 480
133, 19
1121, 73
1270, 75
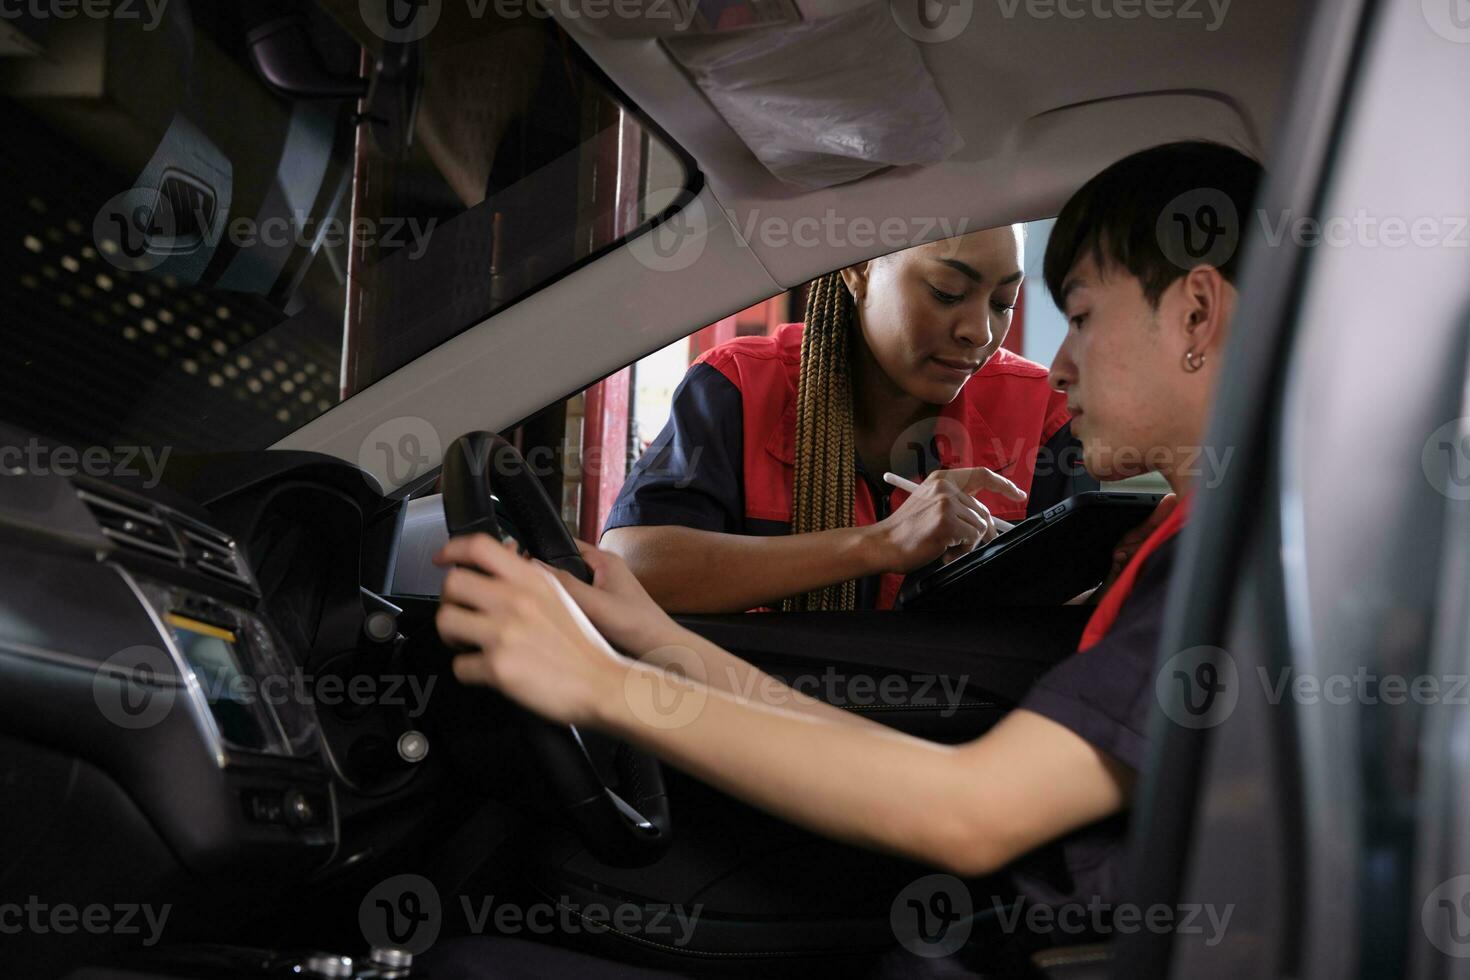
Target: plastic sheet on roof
827, 101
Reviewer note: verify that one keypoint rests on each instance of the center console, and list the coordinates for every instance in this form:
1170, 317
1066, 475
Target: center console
257, 718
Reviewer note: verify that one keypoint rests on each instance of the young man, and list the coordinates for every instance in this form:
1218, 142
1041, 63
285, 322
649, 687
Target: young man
1139, 365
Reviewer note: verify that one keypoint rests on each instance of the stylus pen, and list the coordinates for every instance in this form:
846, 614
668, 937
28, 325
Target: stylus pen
894, 480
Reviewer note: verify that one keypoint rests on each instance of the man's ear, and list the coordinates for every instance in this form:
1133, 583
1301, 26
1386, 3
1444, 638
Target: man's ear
1209, 301
856, 279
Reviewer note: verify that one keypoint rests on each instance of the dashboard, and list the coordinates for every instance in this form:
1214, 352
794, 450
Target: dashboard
202, 682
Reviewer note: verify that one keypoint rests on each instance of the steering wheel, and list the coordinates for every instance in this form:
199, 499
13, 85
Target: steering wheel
612, 794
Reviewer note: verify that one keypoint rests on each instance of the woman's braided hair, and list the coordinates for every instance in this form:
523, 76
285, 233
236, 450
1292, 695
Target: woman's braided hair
825, 474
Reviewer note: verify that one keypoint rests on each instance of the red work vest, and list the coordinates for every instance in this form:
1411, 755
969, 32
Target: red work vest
999, 419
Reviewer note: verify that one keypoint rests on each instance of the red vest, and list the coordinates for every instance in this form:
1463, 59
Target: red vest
999, 419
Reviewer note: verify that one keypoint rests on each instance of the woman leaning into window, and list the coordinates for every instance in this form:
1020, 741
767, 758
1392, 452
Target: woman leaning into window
766, 486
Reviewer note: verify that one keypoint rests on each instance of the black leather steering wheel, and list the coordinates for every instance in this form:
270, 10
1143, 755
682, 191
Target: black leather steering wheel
612, 794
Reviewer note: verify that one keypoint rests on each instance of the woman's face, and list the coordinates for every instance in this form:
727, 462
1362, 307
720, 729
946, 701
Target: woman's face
932, 315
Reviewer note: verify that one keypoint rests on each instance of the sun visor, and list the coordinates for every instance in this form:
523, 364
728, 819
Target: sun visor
827, 101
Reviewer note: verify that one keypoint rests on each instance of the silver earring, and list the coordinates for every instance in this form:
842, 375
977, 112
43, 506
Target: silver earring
1192, 361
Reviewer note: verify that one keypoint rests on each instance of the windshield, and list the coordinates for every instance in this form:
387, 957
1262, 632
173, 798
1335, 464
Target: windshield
193, 258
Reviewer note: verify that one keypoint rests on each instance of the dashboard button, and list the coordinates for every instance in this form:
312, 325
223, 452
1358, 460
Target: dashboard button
413, 746
299, 809
263, 807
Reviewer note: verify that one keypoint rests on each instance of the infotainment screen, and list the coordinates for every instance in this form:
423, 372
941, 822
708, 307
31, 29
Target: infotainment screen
211, 652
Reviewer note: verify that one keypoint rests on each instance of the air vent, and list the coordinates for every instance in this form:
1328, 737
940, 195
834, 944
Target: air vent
134, 526
162, 533
214, 553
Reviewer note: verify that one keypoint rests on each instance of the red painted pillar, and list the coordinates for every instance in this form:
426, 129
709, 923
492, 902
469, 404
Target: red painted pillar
605, 422
604, 450
753, 321
712, 336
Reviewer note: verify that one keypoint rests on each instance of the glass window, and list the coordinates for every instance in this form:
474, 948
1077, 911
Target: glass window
192, 259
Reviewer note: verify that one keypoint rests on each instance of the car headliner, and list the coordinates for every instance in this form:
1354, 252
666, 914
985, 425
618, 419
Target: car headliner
1042, 102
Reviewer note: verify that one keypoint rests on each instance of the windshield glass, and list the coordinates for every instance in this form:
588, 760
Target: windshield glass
197, 259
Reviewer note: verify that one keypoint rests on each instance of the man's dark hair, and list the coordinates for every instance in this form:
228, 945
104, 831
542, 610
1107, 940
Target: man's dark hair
1119, 217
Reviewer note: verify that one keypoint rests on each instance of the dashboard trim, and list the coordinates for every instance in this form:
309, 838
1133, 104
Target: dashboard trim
72, 661
199, 705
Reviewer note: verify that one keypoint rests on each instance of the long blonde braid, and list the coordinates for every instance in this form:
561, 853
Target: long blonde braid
825, 475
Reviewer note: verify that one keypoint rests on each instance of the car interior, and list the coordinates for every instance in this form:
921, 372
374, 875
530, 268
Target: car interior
292, 422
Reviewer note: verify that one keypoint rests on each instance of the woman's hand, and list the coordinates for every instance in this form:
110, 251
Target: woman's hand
618, 604
941, 518
523, 634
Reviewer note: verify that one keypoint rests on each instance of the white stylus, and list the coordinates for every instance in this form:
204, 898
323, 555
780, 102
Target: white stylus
894, 480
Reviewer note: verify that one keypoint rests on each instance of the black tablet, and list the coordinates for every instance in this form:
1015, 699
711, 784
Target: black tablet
1042, 561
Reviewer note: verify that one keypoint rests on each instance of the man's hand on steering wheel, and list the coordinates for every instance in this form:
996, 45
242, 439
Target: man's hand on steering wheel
524, 634
618, 604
